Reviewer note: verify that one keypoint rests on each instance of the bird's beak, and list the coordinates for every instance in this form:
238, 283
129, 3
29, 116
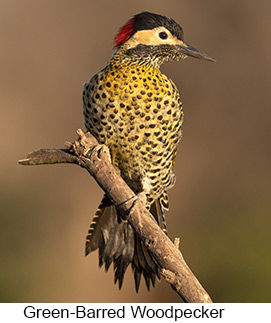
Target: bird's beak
193, 52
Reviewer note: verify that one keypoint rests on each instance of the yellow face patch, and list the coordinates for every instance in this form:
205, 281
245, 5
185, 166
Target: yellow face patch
153, 37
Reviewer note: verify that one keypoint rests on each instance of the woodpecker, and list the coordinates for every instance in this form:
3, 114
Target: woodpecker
136, 111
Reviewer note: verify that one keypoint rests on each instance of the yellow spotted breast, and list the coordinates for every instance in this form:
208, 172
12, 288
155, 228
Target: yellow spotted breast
136, 111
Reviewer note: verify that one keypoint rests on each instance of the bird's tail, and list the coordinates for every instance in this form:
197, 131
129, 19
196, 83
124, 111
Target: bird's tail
118, 243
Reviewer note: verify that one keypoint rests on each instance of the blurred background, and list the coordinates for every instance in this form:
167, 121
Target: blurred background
220, 205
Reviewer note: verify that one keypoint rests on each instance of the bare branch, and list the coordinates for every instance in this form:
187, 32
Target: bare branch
95, 158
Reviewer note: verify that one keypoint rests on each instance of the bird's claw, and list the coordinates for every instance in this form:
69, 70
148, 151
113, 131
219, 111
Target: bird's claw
99, 149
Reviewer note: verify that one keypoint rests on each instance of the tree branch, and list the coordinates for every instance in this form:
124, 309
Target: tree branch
87, 153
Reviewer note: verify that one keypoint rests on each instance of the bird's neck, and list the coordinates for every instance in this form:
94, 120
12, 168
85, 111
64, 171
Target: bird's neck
125, 57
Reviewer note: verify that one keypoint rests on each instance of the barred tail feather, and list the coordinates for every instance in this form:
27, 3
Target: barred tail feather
93, 238
118, 244
157, 210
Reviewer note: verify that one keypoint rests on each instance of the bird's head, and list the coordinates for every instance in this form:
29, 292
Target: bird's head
155, 39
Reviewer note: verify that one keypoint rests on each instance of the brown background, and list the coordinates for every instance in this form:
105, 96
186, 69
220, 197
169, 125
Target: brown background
220, 206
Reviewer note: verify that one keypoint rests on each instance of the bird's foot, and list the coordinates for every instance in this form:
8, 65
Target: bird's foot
142, 197
100, 149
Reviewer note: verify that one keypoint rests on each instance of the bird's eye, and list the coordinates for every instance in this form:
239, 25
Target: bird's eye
163, 35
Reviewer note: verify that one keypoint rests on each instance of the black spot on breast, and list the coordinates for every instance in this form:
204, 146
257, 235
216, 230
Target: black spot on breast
146, 86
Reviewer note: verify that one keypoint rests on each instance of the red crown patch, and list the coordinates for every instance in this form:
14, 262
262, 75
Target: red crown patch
124, 33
